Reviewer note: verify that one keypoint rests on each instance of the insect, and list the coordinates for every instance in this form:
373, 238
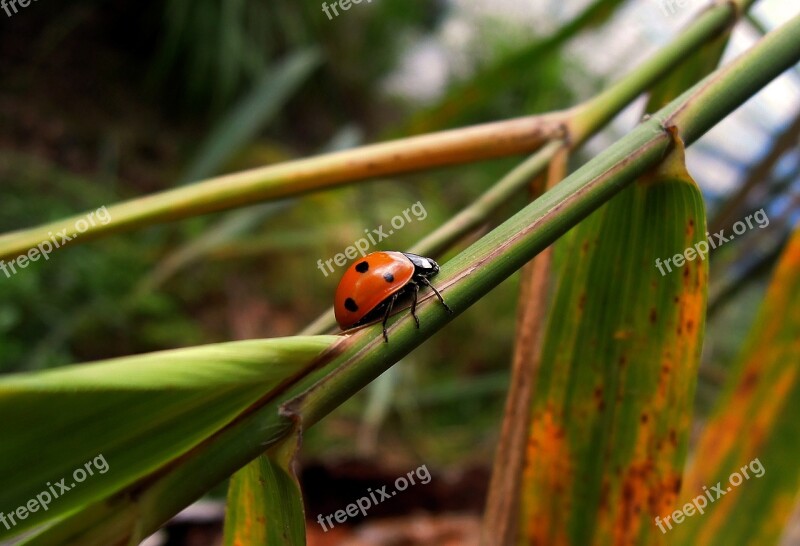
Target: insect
370, 287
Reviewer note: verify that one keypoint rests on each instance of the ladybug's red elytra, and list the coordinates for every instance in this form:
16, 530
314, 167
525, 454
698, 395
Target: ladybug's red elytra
371, 286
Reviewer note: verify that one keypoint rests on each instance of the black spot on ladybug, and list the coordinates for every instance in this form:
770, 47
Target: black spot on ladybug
362, 267
350, 305
388, 277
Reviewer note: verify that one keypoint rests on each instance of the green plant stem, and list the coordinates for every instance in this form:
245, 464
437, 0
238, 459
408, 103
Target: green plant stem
477, 212
362, 355
465, 145
602, 108
504, 138
467, 220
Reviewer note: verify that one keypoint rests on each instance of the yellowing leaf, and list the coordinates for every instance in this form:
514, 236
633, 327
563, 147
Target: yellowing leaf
754, 429
612, 408
265, 506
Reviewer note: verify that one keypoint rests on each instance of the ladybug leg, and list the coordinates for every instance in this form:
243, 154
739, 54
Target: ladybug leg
386, 316
414, 303
438, 295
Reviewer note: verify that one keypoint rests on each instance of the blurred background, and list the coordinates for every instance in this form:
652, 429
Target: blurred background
101, 102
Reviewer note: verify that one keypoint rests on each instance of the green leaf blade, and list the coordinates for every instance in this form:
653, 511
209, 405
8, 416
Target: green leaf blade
136, 413
265, 505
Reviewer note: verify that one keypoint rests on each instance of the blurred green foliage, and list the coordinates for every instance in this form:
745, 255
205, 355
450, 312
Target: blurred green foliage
172, 75
212, 49
182, 90
72, 307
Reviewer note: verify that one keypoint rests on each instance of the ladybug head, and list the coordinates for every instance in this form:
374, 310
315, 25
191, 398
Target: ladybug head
422, 265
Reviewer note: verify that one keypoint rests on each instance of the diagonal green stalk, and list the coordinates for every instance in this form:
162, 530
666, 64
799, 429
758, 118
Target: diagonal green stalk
466, 220
504, 138
463, 280
711, 23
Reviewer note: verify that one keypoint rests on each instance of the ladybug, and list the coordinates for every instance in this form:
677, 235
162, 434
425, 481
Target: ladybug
370, 287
